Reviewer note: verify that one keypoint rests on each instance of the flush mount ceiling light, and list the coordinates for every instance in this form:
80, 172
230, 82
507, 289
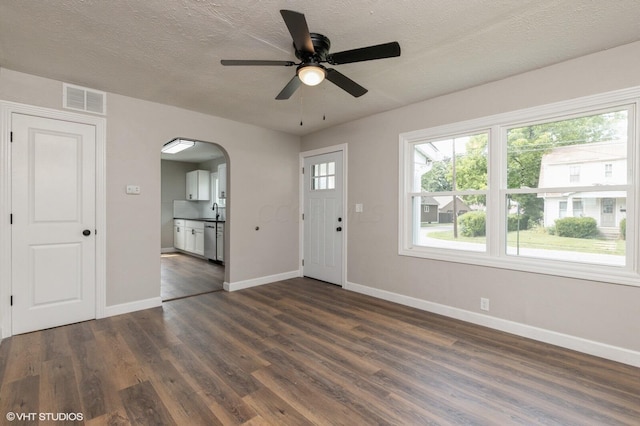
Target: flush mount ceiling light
177, 145
311, 75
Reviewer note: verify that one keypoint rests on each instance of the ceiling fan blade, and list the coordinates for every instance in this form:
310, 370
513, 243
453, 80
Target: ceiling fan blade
345, 83
379, 51
289, 89
297, 25
232, 62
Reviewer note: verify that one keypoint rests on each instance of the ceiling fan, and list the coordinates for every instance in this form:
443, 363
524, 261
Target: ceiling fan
313, 50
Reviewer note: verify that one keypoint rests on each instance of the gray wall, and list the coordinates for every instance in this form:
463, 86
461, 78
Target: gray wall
136, 131
264, 174
212, 164
601, 312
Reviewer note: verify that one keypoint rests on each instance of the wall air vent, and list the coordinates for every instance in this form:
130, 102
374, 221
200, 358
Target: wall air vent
83, 99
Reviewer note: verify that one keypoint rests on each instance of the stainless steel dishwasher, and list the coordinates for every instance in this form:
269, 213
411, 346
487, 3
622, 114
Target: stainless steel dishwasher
210, 240
220, 242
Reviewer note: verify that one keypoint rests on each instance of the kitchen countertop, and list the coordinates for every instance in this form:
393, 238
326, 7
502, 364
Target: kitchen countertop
201, 219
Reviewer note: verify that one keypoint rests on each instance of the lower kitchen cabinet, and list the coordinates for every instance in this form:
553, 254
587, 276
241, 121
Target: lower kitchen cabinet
179, 234
193, 234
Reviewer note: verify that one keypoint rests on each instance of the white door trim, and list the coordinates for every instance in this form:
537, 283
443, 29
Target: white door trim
6, 110
335, 148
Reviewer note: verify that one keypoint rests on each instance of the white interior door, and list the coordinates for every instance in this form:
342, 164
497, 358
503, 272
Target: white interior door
53, 222
324, 220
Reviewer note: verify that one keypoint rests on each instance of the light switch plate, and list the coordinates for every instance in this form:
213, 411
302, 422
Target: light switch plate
359, 208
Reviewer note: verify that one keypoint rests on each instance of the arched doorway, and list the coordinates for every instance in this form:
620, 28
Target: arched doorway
194, 202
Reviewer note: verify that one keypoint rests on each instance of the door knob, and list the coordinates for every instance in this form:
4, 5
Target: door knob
339, 228
86, 232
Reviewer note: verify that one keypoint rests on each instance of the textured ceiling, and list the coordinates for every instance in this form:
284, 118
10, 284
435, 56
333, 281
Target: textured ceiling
169, 51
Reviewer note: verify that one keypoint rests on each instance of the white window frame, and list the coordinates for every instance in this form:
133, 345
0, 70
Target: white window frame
579, 212
563, 212
608, 170
328, 185
574, 174
497, 125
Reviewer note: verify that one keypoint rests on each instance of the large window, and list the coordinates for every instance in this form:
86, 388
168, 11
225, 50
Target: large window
561, 161
527, 191
450, 178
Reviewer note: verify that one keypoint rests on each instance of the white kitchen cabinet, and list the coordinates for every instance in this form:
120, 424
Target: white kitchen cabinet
190, 240
214, 187
222, 181
198, 185
179, 234
194, 238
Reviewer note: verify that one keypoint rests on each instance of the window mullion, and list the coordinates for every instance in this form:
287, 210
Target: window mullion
497, 181
633, 178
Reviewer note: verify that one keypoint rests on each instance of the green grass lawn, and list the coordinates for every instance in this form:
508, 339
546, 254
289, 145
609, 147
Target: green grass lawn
541, 240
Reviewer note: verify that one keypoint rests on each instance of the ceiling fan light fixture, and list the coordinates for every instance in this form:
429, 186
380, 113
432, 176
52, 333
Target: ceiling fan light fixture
312, 49
176, 146
311, 75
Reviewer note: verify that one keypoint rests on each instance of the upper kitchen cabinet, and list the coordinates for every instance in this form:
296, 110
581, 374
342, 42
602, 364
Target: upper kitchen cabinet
198, 185
222, 181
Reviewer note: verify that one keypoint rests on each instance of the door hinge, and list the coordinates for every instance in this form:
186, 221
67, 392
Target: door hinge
10, 136
303, 170
302, 265
11, 301
11, 219
302, 216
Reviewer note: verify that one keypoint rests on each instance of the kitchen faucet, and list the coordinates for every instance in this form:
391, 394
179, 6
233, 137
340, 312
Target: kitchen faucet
214, 207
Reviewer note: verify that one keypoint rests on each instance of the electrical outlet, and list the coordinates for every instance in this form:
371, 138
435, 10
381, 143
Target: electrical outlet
484, 303
133, 189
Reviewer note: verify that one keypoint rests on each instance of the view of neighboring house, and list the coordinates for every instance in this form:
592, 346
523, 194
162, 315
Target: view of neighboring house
440, 209
434, 209
600, 163
428, 210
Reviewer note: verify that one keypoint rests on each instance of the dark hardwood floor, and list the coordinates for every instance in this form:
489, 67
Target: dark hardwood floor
183, 275
302, 352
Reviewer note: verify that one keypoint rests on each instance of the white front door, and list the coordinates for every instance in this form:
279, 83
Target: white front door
608, 212
53, 222
324, 220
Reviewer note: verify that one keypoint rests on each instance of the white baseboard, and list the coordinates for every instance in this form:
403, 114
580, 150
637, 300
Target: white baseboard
260, 281
603, 350
138, 305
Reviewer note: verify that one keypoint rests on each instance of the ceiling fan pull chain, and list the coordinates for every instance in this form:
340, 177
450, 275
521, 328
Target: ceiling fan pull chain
324, 103
301, 110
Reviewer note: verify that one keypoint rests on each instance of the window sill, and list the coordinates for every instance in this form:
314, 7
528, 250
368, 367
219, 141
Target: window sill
576, 270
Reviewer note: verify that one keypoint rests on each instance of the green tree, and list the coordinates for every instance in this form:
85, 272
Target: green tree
439, 177
471, 168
